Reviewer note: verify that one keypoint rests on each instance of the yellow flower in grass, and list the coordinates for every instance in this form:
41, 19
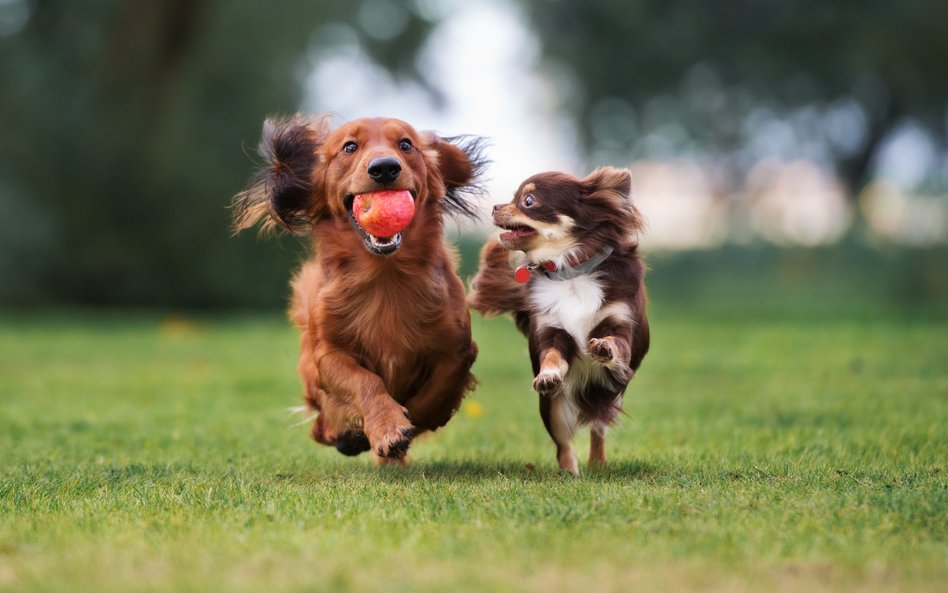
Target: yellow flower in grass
472, 409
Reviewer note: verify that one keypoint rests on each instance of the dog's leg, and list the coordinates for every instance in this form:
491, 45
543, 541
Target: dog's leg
437, 400
610, 344
556, 348
551, 353
612, 353
561, 419
553, 369
384, 421
597, 444
323, 431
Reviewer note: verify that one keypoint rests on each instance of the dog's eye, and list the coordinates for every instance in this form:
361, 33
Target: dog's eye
529, 201
405, 145
349, 147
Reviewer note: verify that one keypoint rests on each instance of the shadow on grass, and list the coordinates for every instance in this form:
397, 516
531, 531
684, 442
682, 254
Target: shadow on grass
306, 474
664, 472
474, 470
91, 477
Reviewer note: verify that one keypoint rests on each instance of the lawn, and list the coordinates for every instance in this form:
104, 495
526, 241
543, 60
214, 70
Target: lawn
142, 452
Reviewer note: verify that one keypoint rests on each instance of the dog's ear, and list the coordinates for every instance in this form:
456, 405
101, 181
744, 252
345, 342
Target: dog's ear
457, 173
614, 182
611, 187
283, 192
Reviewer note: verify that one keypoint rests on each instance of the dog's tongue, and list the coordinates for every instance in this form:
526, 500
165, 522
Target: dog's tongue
383, 213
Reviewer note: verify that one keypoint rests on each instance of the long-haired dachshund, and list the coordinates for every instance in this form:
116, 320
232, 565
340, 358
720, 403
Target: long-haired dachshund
385, 347
578, 295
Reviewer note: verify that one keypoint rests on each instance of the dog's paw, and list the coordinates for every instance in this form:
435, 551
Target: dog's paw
605, 352
567, 462
391, 439
602, 350
548, 382
352, 442
394, 444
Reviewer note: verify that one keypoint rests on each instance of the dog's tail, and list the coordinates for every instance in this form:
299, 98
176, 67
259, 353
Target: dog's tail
494, 291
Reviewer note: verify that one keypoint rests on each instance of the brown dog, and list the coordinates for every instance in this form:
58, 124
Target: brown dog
386, 349
578, 296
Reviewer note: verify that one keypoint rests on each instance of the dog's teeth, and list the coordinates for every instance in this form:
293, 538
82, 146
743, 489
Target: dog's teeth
381, 242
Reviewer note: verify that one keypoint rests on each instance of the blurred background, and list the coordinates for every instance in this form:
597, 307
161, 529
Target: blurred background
787, 154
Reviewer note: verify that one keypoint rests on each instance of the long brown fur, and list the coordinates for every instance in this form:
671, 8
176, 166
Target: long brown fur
385, 340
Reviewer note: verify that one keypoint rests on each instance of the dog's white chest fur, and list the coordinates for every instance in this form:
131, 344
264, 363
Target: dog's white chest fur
572, 305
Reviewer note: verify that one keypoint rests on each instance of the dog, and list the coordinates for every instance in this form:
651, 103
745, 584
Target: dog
578, 295
385, 332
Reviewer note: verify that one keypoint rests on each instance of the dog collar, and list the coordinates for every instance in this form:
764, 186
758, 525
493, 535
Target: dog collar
549, 270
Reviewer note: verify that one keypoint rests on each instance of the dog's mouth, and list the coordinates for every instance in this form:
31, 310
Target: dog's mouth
514, 233
375, 244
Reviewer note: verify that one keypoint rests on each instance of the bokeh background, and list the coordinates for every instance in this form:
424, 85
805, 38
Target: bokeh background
788, 155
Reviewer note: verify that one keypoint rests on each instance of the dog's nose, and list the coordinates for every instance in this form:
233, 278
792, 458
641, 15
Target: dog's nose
497, 207
384, 170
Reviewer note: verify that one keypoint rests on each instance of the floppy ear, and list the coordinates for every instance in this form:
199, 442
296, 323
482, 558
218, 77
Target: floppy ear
612, 187
460, 166
283, 192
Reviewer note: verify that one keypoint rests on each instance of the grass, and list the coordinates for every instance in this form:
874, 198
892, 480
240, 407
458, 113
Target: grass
141, 453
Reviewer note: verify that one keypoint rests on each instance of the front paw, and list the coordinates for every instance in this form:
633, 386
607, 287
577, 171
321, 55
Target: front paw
602, 350
352, 442
391, 438
548, 382
394, 444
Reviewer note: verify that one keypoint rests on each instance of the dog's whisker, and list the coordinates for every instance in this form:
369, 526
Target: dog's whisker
310, 418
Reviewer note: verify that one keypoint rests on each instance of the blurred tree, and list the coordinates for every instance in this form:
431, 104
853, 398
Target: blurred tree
708, 76
126, 128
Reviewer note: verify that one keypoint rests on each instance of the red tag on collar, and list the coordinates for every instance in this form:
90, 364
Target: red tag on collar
522, 275
549, 266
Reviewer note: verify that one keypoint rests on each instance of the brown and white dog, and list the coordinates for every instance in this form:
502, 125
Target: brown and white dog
385, 347
578, 295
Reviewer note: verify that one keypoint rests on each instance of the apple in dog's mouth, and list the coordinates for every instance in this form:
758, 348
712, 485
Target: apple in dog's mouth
380, 217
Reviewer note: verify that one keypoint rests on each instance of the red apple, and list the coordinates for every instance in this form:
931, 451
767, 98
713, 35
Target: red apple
383, 213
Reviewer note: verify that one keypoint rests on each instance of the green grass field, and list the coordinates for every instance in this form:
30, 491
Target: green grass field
141, 453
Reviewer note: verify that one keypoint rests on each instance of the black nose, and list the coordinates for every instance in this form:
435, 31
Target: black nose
384, 170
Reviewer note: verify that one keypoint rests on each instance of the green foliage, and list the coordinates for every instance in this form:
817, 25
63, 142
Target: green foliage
692, 71
846, 279
139, 453
127, 127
